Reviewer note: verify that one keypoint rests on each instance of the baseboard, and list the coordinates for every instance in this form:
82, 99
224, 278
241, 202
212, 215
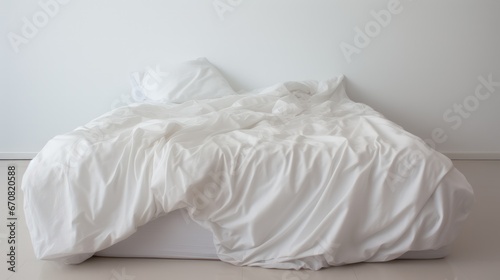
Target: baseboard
17, 156
451, 155
472, 155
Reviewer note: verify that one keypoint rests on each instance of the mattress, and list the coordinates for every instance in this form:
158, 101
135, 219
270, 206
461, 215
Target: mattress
174, 235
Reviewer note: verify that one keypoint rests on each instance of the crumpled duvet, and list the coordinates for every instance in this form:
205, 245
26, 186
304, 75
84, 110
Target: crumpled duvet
292, 176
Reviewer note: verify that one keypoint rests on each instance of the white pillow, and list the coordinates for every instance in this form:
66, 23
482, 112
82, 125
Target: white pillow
191, 80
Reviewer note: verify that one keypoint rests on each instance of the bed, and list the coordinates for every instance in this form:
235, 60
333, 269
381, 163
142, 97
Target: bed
292, 176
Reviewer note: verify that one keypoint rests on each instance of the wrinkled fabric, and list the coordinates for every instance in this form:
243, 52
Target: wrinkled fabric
292, 176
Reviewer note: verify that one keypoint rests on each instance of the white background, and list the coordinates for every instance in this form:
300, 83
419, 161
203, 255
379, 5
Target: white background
76, 65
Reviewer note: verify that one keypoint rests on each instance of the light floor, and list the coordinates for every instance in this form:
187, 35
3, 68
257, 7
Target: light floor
475, 254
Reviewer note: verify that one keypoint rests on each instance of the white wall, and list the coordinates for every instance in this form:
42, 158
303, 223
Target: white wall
426, 59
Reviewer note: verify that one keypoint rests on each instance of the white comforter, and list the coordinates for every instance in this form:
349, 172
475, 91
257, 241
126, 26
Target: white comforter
293, 176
